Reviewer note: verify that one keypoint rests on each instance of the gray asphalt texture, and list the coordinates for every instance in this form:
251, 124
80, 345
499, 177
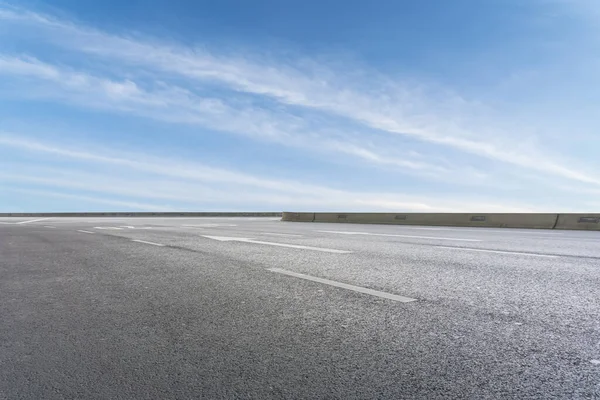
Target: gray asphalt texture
100, 316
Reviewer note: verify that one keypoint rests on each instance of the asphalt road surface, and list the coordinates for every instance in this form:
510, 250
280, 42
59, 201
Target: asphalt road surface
255, 308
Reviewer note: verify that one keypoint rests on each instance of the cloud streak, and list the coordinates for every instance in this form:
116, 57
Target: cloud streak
356, 139
177, 105
91, 199
139, 177
389, 106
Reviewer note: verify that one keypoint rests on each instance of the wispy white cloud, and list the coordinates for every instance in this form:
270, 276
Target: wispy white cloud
336, 113
375, 101
142, 177
174, 104
177, 198
145, 163
91, 199
186, 195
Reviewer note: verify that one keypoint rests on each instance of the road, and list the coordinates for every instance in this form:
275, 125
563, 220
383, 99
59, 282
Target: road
255, 308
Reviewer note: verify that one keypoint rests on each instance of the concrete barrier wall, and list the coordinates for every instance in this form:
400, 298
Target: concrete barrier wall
298, 216
145, 214
489, 220
589, 222
533, 221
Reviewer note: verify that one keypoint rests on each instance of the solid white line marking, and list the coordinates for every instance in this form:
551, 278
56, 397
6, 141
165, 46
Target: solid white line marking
48, 226
293, 246
504, 230
499, 252
152, 243
401, 236
7, 223
82, 231
33, 220
359, 289
108, 228
280, 234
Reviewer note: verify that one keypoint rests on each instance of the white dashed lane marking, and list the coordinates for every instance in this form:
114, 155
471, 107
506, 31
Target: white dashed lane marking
280, 234
293, 246
401, 236
82, 231
33, 220
146, 242
358, 289
499, 252
206, 225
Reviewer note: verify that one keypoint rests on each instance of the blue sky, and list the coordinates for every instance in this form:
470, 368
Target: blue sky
188, 105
